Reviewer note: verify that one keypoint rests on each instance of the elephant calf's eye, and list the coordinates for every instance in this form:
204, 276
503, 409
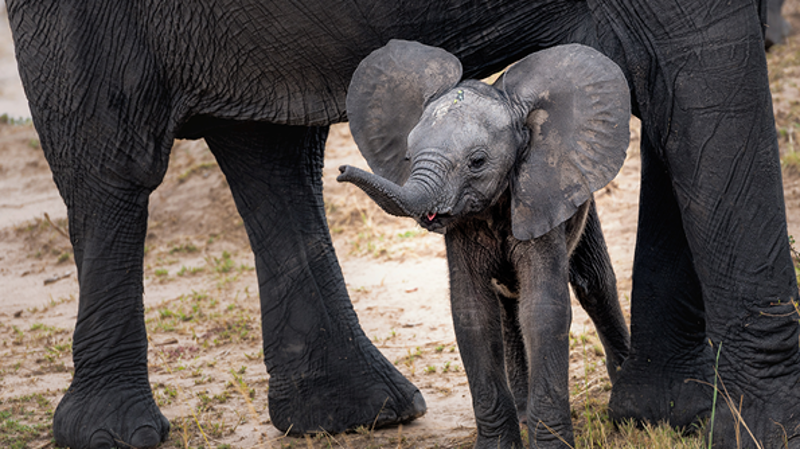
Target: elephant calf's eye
477, 161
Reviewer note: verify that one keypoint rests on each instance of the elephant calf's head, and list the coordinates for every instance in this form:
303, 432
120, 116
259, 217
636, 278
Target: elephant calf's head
461, 152
553, 129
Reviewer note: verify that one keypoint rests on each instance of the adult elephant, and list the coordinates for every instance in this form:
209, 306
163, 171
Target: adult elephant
111, 84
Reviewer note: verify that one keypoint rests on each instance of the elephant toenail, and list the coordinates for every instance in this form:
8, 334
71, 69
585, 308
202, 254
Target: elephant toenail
419, 405
101, 439
145, 437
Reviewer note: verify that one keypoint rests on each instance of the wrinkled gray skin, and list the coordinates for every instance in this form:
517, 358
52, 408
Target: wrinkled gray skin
509, 296
111, 84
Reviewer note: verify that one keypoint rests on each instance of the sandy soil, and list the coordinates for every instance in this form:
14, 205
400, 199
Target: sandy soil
201, 292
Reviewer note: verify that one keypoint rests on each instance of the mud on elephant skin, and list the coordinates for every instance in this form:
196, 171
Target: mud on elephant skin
507, 173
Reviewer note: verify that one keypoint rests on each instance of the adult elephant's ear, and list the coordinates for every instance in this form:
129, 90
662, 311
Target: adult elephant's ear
576, 103
387, 95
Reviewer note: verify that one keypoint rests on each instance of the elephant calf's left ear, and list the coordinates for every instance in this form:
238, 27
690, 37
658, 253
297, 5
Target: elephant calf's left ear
578, 110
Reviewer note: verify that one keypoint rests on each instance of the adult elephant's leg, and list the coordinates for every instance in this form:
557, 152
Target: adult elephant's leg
665, 377
109, 402
721, 151
724, 161
325, 374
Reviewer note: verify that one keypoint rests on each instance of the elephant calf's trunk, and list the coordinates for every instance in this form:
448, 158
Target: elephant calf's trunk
384, 192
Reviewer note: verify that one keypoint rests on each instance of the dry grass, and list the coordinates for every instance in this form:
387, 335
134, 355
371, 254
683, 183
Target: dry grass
205, 360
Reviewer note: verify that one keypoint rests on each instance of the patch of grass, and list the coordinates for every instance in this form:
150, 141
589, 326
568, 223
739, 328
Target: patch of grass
411, 233
198, 315
239, 328
409, 360
52, 303
791, 161
370, 242
187, 248
190, 271
450, 367
16, 434
661, 436
45, 237
164, 394
195, 169
173, 315
25, 421
392, 335
225, 264
593, 427
39, 335
6, 119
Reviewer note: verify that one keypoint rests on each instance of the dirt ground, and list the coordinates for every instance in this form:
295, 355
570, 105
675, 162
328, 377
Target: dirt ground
201, 292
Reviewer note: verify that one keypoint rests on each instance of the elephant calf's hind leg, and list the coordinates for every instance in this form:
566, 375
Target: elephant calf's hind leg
595, 285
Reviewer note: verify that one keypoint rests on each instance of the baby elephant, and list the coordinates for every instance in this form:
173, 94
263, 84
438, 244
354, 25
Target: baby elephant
507, 172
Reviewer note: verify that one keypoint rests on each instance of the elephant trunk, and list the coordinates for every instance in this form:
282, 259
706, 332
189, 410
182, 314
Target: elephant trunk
416, 198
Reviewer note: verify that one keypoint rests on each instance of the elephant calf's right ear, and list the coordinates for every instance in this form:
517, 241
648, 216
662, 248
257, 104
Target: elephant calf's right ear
387, 96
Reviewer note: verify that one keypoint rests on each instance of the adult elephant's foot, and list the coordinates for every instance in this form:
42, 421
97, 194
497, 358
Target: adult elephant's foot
673, 393
773, 422
103, 415
766, 411
352, 391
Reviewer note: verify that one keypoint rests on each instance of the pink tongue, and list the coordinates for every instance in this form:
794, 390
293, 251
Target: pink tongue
431, 216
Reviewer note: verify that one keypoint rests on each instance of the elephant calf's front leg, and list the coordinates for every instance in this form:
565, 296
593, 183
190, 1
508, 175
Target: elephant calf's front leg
477, 323
545, 315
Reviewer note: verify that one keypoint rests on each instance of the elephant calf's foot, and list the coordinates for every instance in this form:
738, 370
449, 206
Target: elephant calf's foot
347, 397
649, 394
125, 416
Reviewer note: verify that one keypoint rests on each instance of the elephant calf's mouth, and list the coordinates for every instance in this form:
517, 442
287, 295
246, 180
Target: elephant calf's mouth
435, 222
